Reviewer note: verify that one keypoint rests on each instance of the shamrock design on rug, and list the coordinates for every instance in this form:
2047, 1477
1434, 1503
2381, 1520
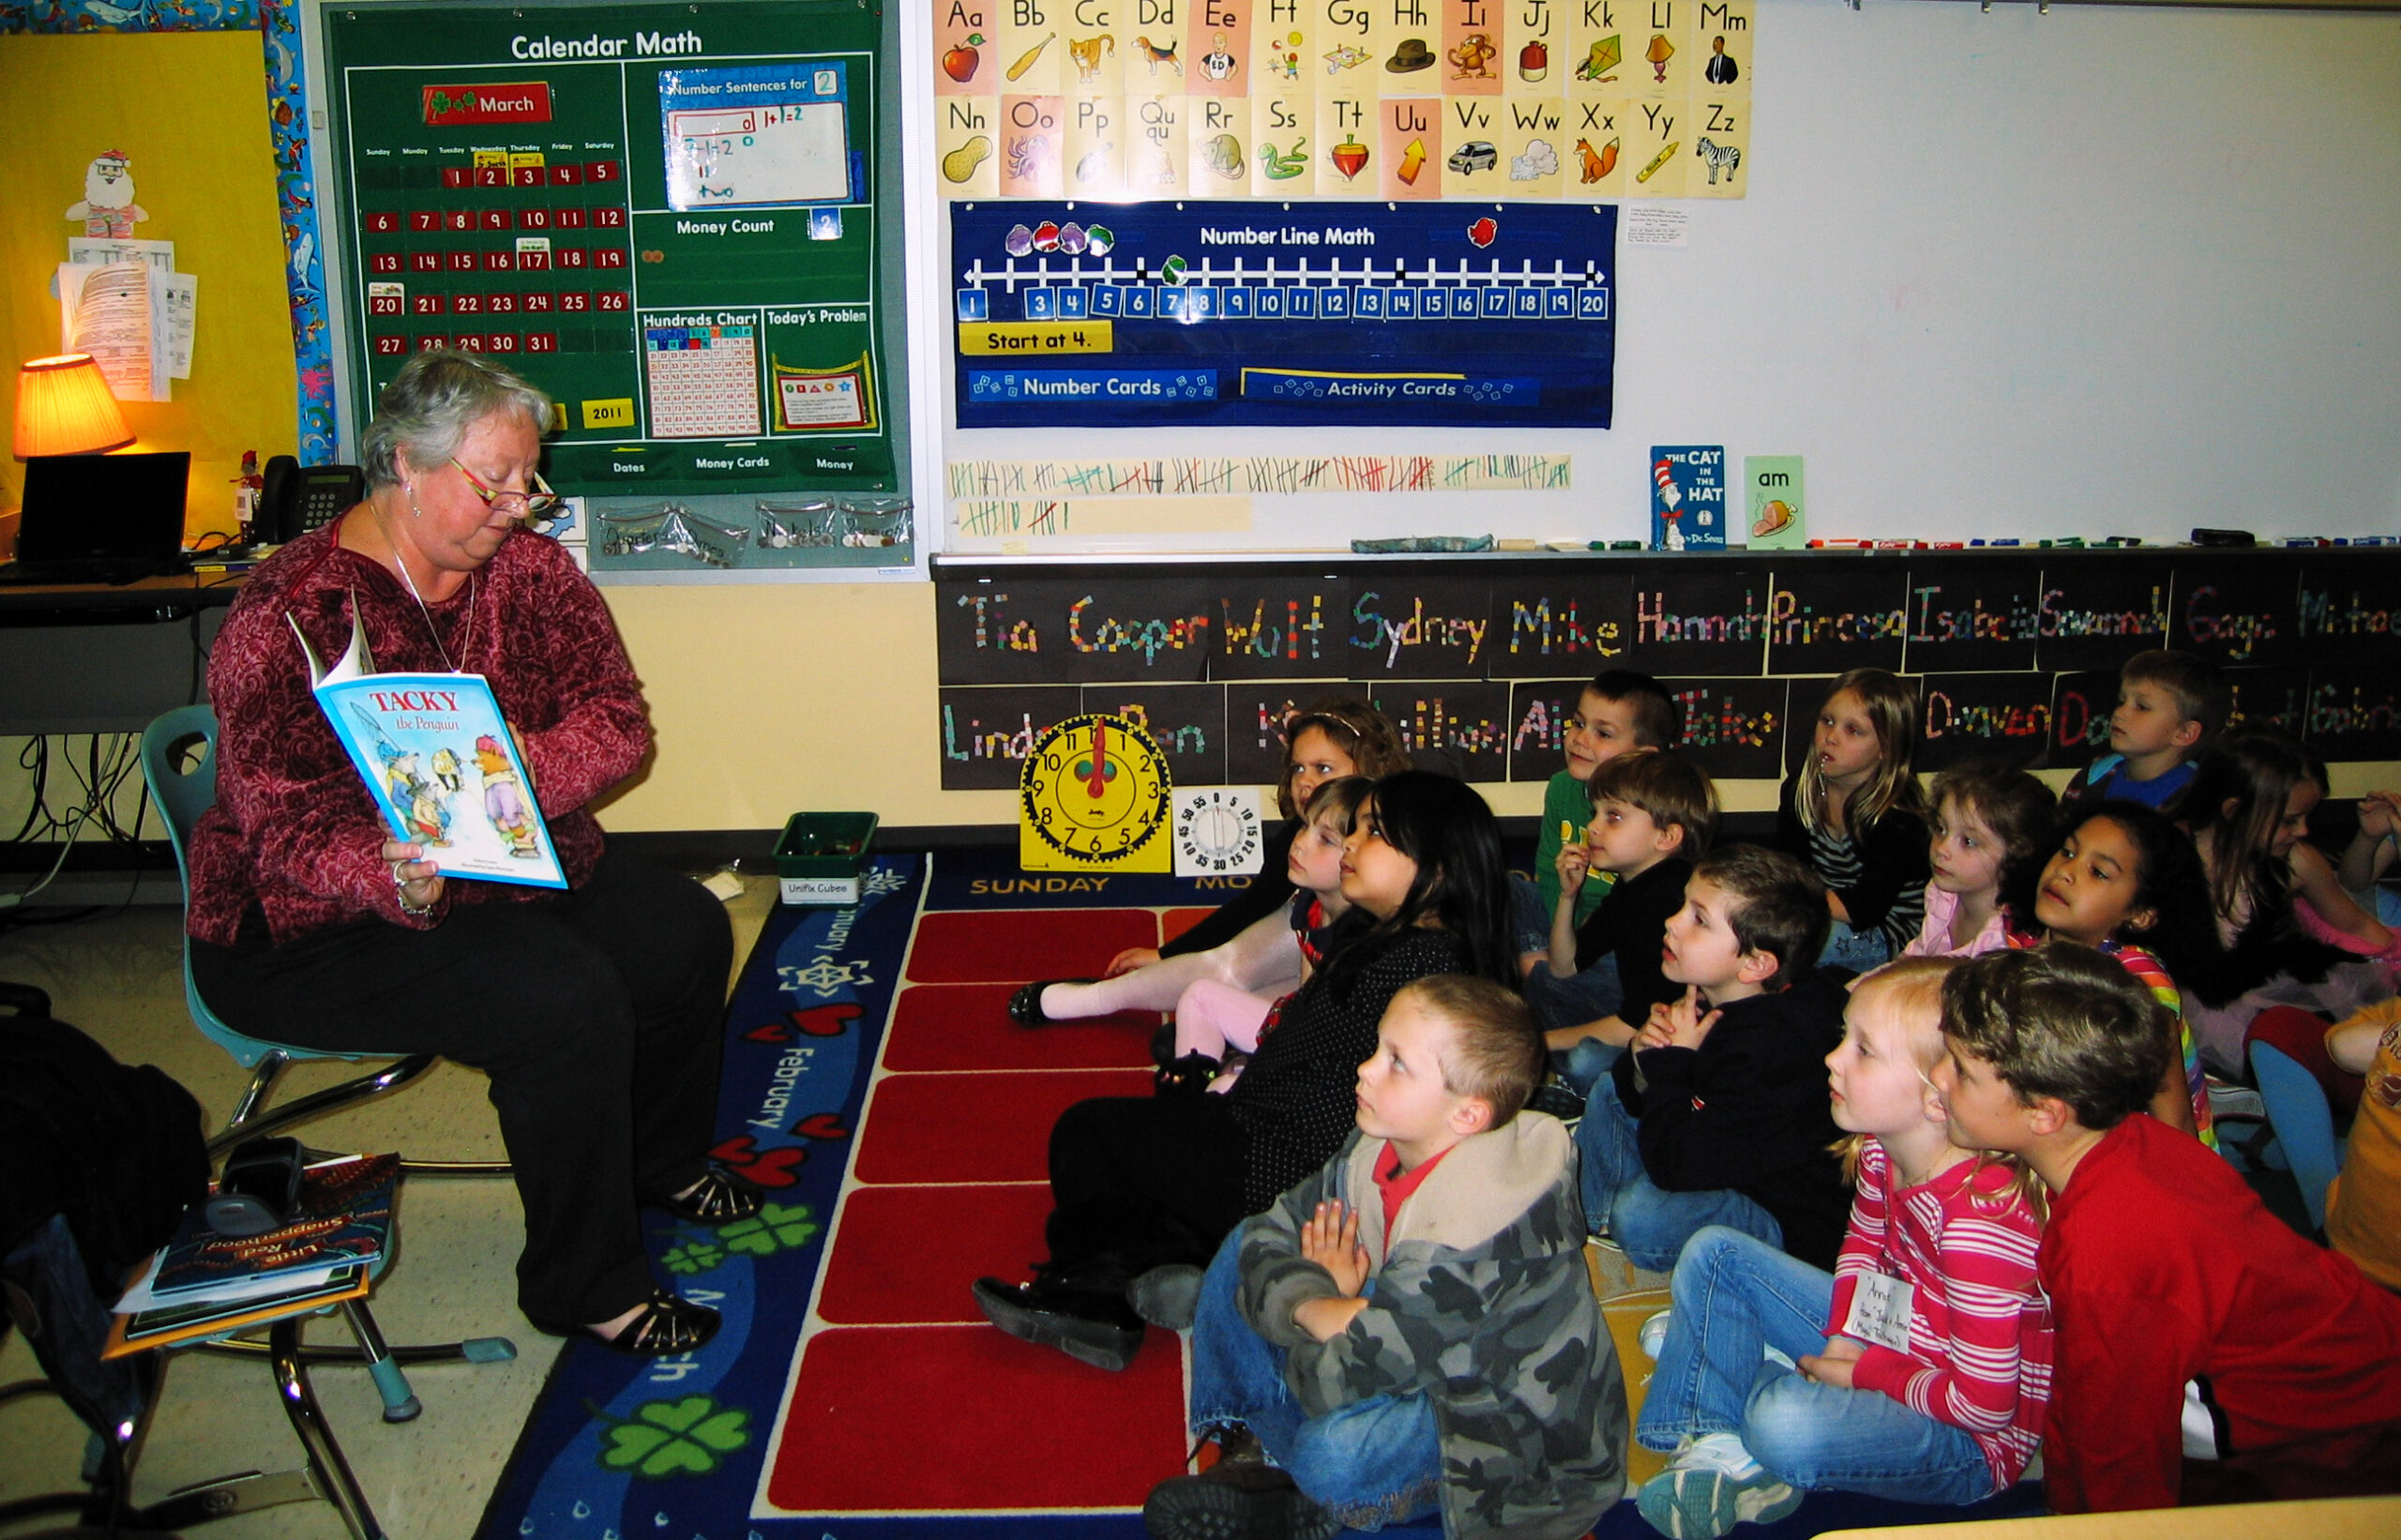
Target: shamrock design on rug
687, 1437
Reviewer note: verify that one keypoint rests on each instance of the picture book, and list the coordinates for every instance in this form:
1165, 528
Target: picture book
343, 1215
440, 761
188, 1320
1774, 502
1688, 497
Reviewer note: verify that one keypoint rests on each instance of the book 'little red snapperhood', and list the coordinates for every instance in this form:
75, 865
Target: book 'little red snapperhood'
440, 764
343, 1213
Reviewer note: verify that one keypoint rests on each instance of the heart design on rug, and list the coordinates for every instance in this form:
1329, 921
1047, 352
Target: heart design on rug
761, 1168
774, 1032
1484, 231
820, 1125
817, 1021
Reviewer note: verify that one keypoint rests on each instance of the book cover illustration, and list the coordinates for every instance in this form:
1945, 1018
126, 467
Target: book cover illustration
189, 1318
343, 1215
1773, 501
1688, 497
440, 762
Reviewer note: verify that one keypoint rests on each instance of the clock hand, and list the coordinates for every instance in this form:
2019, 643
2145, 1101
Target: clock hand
1094, 786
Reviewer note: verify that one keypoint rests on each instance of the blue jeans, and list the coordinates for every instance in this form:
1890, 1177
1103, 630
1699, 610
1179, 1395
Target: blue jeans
1735, 1298
1587, 1063
1650, 1223
1586, 995
1857, 950
1371, 1463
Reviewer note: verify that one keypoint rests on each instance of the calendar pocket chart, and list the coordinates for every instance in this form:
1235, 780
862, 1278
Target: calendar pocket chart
1304, 313
663, 216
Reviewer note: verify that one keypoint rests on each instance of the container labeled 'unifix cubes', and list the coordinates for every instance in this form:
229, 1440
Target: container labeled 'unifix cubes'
822, 856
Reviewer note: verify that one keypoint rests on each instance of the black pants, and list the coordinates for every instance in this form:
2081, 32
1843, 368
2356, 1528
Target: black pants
597, 1014
1137, 1183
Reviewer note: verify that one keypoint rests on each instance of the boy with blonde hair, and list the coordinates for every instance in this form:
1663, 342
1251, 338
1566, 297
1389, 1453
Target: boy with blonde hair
2170, 704
1412, 1328
2204, 1352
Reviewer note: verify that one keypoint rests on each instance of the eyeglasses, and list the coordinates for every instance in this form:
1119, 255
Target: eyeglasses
524, 505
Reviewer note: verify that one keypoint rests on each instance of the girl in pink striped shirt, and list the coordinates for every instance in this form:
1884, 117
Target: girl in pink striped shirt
1918, 1369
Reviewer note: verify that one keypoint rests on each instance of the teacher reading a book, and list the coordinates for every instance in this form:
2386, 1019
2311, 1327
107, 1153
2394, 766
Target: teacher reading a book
595, 1010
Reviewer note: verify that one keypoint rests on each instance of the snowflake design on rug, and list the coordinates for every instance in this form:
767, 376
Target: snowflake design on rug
879, 880
689, 1437
823, 977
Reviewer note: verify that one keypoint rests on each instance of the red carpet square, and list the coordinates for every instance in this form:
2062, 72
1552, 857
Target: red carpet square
976, 1127
1175, 922
945, 1418
906, 1255
1012, 946
966, 1026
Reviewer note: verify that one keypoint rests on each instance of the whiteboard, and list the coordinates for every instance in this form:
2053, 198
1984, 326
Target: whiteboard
2108, 270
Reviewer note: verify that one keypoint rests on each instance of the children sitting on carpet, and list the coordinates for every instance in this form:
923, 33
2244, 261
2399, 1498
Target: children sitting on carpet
2170, 704
1618, 713
1853, 812
1650, 817
1146, 1182
1412, 1328
2204, 1352
1918, 1369
1988, 836
1718, 1114
1331, 739
1232, 987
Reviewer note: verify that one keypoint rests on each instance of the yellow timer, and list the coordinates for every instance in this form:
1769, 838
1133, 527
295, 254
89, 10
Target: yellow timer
1094, 793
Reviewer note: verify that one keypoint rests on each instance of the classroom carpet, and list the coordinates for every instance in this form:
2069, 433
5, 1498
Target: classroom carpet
874, 1085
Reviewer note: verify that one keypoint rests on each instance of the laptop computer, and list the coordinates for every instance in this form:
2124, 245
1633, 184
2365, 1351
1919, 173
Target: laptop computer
111, 518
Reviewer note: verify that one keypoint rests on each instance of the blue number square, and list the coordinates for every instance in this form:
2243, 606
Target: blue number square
1591, 304
1335, 304
1401, 304
1301, 304
1371, 305
1234, 302
1558, 304
1437, 303
1072, 304
1201, 303
975, 305
1171, 306
1526, 303
1108, 300
1271, 304
1494, 303
1139, 300
1042, 303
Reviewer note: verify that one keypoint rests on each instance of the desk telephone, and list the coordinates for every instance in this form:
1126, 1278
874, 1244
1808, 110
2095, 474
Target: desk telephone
297, 499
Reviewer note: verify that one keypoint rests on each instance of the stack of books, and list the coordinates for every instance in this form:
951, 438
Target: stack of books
204, 1285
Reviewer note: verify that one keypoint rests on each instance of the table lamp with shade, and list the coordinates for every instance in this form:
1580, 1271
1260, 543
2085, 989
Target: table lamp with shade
65, 407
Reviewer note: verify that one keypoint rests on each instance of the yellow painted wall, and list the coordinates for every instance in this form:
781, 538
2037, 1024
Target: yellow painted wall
189, 109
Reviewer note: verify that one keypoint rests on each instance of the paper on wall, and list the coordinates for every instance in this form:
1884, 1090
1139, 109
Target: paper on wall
114, 314
179, 296
99, 251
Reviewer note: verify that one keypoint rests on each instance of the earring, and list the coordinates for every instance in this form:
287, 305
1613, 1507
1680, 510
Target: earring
415, 512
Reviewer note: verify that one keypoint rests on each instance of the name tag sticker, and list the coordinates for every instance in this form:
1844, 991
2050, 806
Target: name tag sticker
1879, 1312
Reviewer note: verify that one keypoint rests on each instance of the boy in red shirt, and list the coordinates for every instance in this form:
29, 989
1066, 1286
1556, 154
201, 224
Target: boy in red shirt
2205, 1353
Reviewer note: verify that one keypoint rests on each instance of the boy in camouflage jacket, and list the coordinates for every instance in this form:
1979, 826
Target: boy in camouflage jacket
1413, 1326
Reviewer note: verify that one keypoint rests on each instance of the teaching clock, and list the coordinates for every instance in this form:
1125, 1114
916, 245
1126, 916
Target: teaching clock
1094, 793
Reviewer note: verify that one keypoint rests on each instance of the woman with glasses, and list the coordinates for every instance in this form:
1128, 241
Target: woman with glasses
596, 1012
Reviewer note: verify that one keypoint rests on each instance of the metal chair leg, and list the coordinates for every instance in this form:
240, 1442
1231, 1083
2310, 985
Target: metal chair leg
390, 1078
327, 1465
400, 1404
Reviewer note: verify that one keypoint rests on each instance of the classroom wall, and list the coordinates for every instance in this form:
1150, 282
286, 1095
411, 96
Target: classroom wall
189, 108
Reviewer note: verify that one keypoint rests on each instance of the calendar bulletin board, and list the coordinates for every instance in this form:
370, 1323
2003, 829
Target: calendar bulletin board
667, 217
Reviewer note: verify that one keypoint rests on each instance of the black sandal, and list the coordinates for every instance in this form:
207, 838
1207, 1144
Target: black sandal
1025, 1006
665, 1326
718, 1197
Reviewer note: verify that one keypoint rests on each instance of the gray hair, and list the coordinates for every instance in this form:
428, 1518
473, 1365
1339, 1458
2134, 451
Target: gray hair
432, 404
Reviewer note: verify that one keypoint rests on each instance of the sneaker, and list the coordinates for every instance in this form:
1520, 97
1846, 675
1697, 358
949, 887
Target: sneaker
1654, 1334
1558, 1099
1167, 1297
2231, 1102
1712, 1485
1236, 1500
1092, 1326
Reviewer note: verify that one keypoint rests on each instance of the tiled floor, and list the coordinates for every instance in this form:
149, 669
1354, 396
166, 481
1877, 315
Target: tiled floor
119, 978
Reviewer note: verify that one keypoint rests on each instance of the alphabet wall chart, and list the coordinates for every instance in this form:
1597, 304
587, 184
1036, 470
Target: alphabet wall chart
1231, 312
1391, 99
2014, 655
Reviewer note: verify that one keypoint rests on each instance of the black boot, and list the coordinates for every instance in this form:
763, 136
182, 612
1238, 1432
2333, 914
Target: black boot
1094, 1325
1188, 1076
1241, 1496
